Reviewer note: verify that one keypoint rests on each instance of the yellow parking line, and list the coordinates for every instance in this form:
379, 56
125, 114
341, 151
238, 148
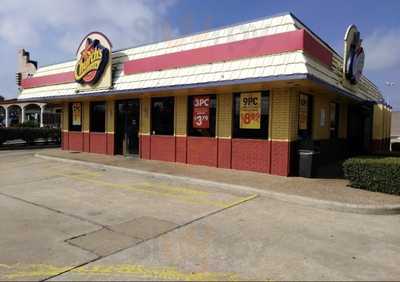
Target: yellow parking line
240, 201
158, 273
152, 189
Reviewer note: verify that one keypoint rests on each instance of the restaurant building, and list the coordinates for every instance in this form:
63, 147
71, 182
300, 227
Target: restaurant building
246, 97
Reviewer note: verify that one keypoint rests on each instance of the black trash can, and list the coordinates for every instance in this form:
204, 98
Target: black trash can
308, 162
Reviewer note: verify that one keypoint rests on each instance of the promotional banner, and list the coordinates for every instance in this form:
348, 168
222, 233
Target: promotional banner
76, 114
303, 112
250, 110
201, 112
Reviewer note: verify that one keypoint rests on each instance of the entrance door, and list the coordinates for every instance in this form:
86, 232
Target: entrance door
127, 127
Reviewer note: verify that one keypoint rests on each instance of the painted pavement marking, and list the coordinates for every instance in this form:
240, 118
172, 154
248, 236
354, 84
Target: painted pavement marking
159, 273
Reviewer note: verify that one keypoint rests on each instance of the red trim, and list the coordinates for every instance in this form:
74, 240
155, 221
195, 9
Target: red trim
254, 47
202, 151
64, 141
162, 148
144, 147
251, 154
86, 142
98, 143
225, 153
110, 143
315, 49
280, 158
75, 141
46, 80
181, 149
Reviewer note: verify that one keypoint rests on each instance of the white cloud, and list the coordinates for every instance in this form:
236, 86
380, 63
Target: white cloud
51, 30
382, 49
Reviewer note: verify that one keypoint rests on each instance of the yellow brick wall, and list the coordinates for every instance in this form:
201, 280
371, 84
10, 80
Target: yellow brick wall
145, 116
283, 114
181, 115
86, 116
383, 125
293, 114
110, 115
224, 115
377, 133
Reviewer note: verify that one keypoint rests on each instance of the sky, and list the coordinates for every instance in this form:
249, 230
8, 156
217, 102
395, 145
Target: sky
52, 30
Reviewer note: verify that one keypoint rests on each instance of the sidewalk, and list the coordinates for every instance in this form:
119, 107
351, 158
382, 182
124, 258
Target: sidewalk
323, 193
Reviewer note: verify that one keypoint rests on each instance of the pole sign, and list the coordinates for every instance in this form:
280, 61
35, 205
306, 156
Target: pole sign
250, 110
76, 114
201, 112
93, 63
354, 56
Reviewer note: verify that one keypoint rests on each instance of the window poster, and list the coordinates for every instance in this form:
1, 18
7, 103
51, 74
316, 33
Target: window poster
250, 110
303, 112
76, 114
201, 112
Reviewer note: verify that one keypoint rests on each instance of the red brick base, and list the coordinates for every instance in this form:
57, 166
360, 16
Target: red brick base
244, 154
100, 143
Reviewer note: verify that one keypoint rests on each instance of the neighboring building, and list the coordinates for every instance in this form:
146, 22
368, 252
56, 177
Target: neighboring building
243, 97
14, 113
395, 132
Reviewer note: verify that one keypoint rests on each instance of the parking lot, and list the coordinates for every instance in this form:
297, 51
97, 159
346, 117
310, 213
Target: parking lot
64, 221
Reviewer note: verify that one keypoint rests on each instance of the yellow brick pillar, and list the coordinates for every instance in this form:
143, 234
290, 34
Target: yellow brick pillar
181, 116
223, 129
110, 117
86, 117
181, 113
283, 129
377, 129
224, 115
144, 128
110, 126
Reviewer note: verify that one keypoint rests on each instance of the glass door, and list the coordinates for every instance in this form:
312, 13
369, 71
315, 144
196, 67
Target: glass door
127, 127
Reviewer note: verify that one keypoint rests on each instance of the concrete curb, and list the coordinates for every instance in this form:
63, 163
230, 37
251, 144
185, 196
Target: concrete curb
295, 199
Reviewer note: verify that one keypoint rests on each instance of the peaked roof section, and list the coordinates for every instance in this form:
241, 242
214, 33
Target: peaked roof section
275, 48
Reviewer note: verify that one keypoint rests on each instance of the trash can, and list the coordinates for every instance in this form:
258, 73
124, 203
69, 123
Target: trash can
308, 162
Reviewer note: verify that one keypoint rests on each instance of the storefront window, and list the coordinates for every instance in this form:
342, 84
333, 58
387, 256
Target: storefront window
333, 119
305, 116
97, 116
75, 116
250, 115
201, 115
162, 116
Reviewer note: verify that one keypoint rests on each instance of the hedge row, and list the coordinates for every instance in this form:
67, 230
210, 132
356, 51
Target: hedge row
374, 173
396, 147
30, 135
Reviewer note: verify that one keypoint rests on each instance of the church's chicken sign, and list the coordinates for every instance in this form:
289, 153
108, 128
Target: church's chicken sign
93, 59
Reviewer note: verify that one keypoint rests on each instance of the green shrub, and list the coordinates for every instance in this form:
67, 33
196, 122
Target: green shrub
29, 135
29, 124
374, 173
